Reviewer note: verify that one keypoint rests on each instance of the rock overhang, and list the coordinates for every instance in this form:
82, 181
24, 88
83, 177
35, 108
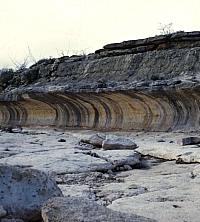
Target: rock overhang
154, 87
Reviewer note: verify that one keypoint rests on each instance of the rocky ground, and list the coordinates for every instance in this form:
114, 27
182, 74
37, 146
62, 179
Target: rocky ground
158, 180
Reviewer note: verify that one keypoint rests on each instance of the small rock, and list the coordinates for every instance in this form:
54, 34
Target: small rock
127, 167
117, 169
59, 180
189, 141
7, 149
176, 206
121, 168
106, 176
17, 129
133, 186
95, 140
62, 140
161, 141
110, 172
10, 129
2, 212
7, 129
117, 143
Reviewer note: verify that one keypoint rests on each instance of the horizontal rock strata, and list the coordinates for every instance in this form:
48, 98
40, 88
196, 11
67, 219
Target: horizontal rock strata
117, 110
150, 84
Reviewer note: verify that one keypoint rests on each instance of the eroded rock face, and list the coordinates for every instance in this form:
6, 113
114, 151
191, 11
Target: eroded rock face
81, 209
23, 191
150, 84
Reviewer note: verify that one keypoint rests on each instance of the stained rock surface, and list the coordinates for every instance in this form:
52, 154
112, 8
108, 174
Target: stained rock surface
81, 209
23, 191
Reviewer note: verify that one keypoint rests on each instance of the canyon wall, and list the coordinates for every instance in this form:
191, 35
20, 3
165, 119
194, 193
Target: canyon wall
148, 84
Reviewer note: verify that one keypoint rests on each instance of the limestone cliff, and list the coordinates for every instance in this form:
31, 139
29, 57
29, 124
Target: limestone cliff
148, 84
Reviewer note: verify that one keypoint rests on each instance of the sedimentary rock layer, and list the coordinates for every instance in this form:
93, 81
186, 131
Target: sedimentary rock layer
150, 84
161, 111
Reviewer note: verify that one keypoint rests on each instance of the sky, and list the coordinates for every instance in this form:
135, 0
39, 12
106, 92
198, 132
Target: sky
37, 29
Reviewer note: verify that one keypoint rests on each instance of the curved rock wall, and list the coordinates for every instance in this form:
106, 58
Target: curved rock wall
147, 84
161, 111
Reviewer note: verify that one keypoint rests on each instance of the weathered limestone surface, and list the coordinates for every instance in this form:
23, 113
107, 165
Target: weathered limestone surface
43, 152
164, 191
171, 193
150, 84
82, 209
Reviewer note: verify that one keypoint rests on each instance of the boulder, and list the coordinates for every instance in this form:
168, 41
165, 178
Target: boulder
23, 191
189, 141
80, 209
95, 140
118, 143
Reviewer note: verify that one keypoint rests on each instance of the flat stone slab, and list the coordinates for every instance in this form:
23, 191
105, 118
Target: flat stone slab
31, 150
171, 193
166, 191
81, 209
170, 149
120, 157
118, 143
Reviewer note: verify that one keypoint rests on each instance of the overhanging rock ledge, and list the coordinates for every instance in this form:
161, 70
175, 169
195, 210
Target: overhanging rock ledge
149, 84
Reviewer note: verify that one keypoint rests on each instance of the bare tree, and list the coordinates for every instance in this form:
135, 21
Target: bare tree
19, 66
30, 55
166, 29
29, 59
